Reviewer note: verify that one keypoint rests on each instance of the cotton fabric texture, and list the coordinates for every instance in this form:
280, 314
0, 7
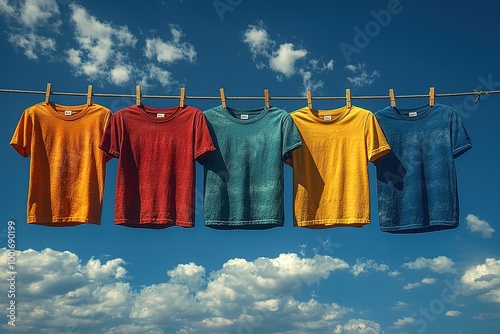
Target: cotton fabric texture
244, 176
330, 170
156, 151
417, 182
67, 168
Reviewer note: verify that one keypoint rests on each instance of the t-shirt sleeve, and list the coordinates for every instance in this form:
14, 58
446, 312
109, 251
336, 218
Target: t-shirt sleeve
110, 141
376, 143
203, 143
291, 138
460, 138
21, 139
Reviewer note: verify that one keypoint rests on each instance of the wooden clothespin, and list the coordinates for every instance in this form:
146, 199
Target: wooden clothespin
182, 97
431, 97
47, 93
266, 98
89, 95
393, 99
348, 98
138, 95
309, 100
223, 98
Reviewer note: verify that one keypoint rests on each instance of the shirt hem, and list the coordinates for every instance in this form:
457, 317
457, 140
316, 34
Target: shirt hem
327, 223
244, 224
152, 224
63, 222
431, 227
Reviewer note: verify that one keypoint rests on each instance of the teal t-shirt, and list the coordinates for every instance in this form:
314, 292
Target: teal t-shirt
244, 176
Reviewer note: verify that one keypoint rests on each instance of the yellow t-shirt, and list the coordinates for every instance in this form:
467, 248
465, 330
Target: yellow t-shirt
330, 170
67, 168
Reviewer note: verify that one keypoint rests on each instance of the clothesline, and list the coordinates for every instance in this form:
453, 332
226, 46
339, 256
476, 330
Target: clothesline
196, 97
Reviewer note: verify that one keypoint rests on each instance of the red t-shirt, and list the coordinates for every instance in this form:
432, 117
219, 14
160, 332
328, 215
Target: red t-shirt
156, 151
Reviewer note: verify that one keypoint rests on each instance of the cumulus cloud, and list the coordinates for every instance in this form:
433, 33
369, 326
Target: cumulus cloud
30, 22
102, 48
360, 76
170, 51
440, 264
452, 313
358, 326
400, 306
285, 59
411, 286
485, 279
363, 266
258, 40
394, 273
426, 280
93, 295
403, 322
476, 225
39, 13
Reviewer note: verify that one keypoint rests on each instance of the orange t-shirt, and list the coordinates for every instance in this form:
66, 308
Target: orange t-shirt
67, 168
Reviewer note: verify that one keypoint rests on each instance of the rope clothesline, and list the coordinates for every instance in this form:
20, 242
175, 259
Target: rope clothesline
195, 97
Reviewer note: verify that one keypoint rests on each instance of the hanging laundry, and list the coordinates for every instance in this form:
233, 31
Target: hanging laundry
417, 181
156, 151
330, 171
67, 168
244, 177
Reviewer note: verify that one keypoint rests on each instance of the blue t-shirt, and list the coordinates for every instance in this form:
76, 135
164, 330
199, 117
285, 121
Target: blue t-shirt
417, 181
244, 176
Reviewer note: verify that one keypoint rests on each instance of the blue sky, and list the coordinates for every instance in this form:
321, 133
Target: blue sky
110, 279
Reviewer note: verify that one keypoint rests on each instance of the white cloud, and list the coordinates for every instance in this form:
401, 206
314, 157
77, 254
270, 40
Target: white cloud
33, 44
102, 48
120, 74
39, 13
155, 73
440, 264
452, 313
394, 273
483, 276
6, 9
308, 82
362, 266
400, 306
403, 322
483, 316
485, 279
170, 51
426, 280
287, 60
358, 326
474, 224
360, 77
25, 20
492, 296
283, 60
411, 286
258, 40
93, 296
